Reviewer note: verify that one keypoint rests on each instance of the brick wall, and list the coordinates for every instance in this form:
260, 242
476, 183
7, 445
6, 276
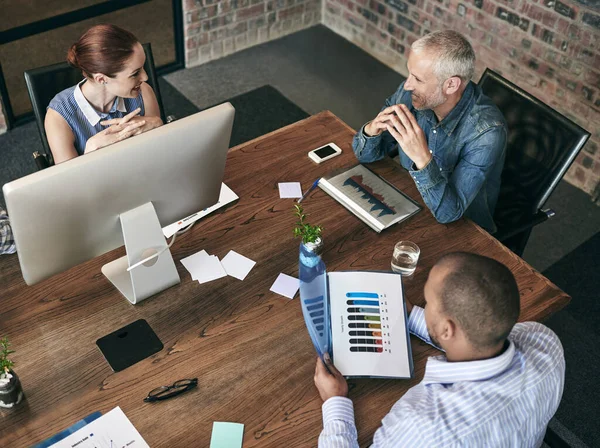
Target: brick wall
214, 29
550, 48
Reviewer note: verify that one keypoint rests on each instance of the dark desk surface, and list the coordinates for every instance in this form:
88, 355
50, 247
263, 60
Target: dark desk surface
248, 346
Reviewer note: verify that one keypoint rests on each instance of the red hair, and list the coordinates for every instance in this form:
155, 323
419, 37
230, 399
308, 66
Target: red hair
102, 49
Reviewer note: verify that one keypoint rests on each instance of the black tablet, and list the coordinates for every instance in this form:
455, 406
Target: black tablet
128, 345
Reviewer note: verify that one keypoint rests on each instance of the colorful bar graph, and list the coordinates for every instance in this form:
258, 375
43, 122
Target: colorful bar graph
365, 336
375, 334
364, 295
363, 317
364, 310
364, 325
359, 348
363, 302
366, 341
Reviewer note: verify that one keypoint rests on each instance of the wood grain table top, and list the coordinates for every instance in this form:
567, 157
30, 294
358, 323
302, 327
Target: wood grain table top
248, 347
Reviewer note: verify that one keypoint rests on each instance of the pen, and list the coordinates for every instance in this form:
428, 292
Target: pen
312, 187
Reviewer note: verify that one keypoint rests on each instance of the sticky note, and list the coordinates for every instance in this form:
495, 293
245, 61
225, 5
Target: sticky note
290, 190
227, 435
211, 269
286, 286
237, 265
194, 262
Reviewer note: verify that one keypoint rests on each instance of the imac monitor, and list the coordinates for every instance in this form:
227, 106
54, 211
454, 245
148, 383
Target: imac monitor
72, 212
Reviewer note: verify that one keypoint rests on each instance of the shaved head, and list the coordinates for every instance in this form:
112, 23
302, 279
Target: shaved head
481, 295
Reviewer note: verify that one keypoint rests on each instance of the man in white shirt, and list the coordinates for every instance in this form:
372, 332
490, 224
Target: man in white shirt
497, 384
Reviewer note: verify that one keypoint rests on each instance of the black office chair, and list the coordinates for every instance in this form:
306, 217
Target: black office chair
541, 146
44, 83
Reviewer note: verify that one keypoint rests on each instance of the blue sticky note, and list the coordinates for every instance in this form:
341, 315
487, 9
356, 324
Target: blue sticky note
227, 435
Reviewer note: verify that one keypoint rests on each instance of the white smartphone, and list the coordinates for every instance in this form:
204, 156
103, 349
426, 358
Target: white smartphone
325, 152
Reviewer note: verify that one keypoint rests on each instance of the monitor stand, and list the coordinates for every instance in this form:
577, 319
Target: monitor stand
143, 237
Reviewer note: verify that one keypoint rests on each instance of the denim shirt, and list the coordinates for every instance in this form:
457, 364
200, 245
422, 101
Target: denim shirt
468, 148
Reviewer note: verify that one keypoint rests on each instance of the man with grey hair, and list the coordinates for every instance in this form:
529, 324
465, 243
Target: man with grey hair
448, 135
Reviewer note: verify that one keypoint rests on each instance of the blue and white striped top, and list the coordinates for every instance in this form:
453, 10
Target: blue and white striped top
81, 116
504, 401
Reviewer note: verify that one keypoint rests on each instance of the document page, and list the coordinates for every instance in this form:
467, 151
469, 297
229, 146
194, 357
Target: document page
368, 325
109, 431
378, 203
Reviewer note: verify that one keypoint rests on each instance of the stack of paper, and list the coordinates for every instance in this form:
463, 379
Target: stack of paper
205, 268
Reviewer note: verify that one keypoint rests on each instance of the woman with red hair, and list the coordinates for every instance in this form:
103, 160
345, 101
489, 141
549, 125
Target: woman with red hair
112, 102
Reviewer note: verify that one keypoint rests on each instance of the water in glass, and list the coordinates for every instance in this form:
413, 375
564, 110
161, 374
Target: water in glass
405, 258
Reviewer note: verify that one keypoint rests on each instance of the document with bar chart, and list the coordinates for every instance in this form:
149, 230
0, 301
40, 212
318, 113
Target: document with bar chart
359, 318
369, 331
370, 197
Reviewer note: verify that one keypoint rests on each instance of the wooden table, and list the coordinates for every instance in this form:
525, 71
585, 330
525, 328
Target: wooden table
248, 347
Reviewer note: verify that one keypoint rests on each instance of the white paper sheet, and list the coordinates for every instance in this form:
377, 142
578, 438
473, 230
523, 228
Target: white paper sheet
237, 265
109, 431
194, 263
286, 286
211, 269
372, 321
290, 190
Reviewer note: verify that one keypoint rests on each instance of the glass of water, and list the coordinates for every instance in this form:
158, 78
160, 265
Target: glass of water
405, 257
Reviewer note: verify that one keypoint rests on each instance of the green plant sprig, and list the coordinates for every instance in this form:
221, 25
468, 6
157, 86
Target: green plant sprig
308, 233
5, 363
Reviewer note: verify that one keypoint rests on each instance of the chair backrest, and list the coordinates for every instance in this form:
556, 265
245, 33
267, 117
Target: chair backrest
45, 82
541, 146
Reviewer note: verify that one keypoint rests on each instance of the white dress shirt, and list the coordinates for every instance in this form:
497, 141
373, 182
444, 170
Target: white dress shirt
506, 401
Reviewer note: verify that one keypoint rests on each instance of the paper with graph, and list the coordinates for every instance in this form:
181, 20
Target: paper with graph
358, 318
369, 331
370, 197
112, 430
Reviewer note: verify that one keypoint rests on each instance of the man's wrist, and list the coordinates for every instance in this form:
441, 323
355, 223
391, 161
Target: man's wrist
338, 408
422, 162
368, 132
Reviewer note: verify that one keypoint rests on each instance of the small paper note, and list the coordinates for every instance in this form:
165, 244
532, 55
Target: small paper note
237, 265
194, 263
211, 269
227, 435
290, 190
286, 286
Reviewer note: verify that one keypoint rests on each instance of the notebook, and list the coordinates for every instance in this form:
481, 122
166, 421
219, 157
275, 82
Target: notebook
358, 318
370, 197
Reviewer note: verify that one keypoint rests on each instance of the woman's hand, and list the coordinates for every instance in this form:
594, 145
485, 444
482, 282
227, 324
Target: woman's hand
113, 134
133, 117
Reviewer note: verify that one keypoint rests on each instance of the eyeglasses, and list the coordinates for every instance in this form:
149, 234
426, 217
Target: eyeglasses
164, 392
